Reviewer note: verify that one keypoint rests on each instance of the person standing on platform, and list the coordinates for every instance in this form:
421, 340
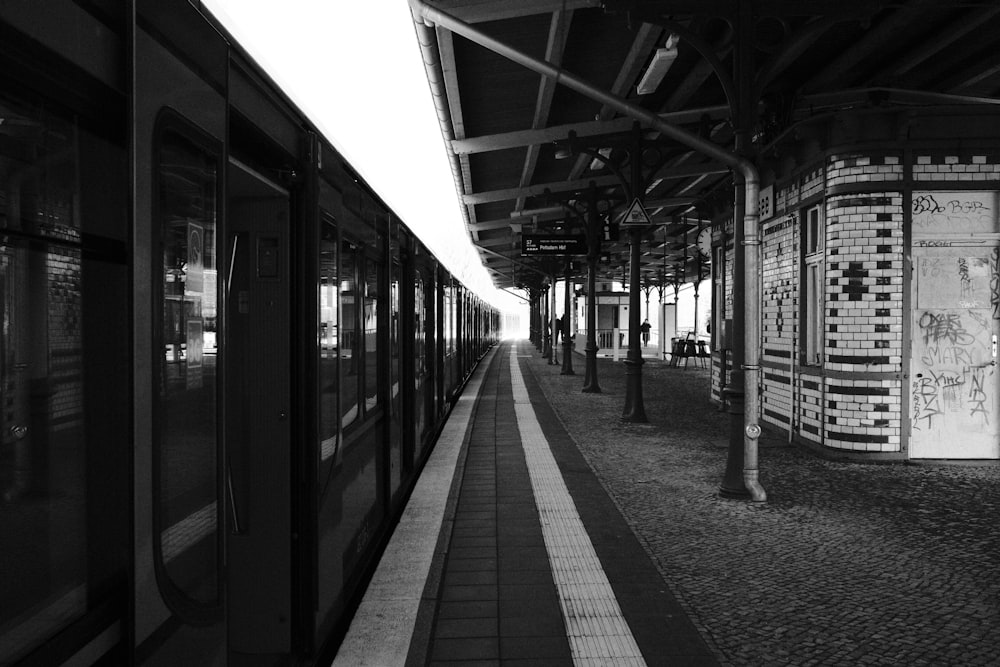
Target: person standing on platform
644, 328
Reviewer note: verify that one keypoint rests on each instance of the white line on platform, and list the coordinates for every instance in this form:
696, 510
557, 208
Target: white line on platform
597, 631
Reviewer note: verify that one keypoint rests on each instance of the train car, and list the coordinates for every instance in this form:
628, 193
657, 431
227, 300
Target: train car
223, 358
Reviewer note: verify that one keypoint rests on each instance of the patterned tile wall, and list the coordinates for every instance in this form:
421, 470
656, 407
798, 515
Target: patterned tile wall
854, 402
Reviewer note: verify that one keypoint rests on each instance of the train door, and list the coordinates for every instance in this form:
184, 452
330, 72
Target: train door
954, 378
179, 75
423, 357
257, 465
408, 344
441, 341
397, 463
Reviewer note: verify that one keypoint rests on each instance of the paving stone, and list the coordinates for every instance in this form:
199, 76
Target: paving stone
847, 563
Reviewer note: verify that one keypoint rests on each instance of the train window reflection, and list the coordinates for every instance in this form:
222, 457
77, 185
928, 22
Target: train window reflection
394, 325
349, 342
185, 511
63, 372
371, 333
328, 334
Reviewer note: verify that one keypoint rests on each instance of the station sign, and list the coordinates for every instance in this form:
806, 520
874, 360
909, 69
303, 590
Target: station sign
549, 244
635, 216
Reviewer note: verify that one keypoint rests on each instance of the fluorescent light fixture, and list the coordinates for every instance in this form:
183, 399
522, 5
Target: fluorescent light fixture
658, 67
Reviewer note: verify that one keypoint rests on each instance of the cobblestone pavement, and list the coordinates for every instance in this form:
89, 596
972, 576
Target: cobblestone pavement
846, 564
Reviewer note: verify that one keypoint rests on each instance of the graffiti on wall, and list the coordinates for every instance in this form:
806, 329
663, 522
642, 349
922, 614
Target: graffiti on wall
954, 212
952, 343
955, 360
955, 312
995, 283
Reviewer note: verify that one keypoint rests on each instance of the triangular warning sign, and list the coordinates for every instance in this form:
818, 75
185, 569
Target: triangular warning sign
636, 215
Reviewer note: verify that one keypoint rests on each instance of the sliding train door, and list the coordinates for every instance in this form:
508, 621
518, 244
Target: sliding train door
257, 466
213, 359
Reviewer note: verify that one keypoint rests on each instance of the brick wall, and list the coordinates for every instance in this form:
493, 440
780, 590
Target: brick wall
852, 401
864, 316
721, 360
779, 315
957, 166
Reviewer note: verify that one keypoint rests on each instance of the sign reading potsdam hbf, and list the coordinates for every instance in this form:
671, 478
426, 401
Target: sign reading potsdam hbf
547, 244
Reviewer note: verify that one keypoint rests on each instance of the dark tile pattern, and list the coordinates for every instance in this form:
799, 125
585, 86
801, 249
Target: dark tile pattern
498, 603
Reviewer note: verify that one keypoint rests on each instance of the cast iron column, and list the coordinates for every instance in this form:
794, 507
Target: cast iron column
634, 410
567, 362
590, 384
554, 356
732, 484
546, 332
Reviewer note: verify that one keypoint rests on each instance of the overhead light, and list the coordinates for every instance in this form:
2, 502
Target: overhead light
596, 164
658, 66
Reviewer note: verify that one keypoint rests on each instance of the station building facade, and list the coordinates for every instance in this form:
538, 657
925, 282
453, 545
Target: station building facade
880, 284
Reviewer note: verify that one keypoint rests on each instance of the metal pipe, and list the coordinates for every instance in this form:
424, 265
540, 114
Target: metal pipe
426, 16
435, 77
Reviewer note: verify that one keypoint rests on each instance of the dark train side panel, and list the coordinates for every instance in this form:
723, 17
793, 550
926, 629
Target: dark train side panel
223, 362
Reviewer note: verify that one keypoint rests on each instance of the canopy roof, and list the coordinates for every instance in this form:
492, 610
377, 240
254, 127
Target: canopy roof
508, 128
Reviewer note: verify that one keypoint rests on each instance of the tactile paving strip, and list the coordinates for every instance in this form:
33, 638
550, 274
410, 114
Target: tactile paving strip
597, 631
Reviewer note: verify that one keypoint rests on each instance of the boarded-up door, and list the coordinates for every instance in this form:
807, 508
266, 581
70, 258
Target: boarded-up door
953, 371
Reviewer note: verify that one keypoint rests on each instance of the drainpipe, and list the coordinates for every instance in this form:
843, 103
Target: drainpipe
425, 17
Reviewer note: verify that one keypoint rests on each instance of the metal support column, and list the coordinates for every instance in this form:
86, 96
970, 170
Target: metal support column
546, 330
635, 410
590, 384
733, 485
567, 362
553, 356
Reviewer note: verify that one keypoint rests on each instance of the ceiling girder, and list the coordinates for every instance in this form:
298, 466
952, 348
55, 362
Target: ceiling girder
497, 142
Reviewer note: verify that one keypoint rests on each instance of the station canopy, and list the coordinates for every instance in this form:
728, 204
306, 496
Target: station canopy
526, 149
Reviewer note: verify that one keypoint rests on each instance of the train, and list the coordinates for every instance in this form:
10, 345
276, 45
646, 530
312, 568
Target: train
223, 358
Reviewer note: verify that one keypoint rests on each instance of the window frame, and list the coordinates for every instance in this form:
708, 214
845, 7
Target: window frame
171, 122
812, 285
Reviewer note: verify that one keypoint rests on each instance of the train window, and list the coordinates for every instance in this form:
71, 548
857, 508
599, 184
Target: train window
452, 309
372, 270
394, 338
185, 485
64, 373
419, 353
328, 344
350, 348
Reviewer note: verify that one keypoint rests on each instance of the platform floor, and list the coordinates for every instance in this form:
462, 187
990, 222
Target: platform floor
545, 531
